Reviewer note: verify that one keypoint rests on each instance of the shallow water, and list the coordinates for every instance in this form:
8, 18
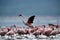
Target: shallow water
57, 37
29, 39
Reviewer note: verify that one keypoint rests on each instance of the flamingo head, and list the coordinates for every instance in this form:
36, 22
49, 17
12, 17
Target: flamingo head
20, 14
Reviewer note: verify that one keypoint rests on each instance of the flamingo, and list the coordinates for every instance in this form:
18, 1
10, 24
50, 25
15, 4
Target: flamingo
38, 32
47, 31
30, 21
53, 26
56, 31
3, 31
11, 31
21, 31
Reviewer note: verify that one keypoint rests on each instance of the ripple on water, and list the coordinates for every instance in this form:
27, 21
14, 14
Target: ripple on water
56, 38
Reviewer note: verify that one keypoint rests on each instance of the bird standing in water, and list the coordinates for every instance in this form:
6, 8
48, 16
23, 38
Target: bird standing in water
29, 21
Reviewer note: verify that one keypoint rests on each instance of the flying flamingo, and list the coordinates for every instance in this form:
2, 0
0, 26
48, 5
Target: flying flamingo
29, 22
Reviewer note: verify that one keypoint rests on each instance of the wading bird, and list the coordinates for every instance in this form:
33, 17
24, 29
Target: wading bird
29, 21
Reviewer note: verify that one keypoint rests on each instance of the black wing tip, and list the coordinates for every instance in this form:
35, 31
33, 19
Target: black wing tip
31, 19
33, 15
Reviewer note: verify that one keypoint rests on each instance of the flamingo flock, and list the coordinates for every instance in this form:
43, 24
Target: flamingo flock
34, 30
47, 31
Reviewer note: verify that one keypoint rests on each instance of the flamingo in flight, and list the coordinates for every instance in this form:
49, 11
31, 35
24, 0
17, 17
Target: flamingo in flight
29, 21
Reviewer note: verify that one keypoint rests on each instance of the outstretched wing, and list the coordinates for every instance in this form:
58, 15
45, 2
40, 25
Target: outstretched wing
31, 19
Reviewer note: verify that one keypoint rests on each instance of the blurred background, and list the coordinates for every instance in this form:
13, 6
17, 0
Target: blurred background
46, 11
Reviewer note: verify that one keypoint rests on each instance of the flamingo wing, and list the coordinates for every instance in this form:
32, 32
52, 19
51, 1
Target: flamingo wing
31, 19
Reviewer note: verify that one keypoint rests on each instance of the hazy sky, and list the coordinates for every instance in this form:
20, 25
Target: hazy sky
30, 7
46, 11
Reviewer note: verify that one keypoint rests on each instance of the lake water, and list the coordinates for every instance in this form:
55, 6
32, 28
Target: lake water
56, 38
